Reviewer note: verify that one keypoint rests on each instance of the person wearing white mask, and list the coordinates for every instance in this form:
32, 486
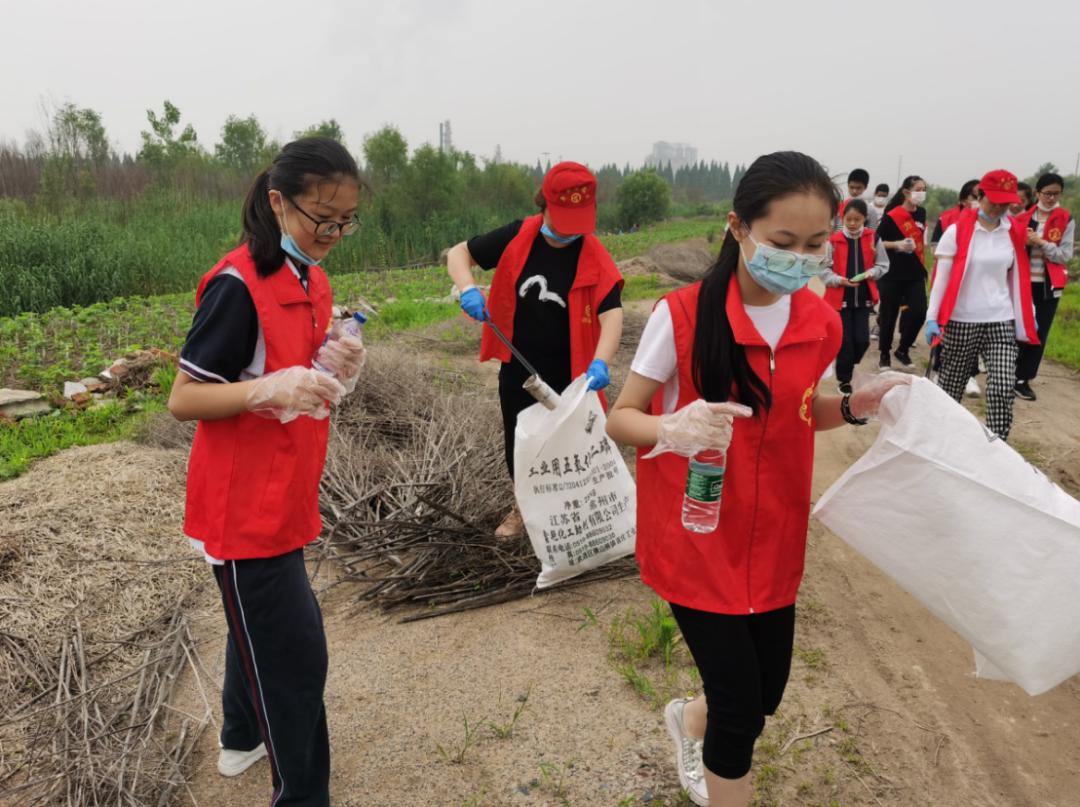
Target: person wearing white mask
902, 231
1050, 238
851, 286
876, 208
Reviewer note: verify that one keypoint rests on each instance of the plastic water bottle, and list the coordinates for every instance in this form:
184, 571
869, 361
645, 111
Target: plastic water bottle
354, 326
704, 484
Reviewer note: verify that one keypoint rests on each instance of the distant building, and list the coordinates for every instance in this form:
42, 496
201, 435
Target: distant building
679, 155
446, 144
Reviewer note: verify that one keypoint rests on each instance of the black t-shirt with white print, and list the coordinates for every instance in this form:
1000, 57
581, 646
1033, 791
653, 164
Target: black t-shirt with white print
541, 317
224, 335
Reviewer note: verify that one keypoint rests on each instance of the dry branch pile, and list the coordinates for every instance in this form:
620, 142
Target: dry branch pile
96, 589
415, 485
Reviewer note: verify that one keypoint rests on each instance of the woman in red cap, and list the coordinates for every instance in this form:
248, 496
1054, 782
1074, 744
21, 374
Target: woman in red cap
981, 300
556, 295
734, 363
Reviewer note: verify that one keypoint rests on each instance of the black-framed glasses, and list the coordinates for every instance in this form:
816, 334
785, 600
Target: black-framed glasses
328, 229
1049, 194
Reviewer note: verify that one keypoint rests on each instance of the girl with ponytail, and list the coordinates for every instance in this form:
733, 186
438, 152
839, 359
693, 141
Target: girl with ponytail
733, 364
246, 376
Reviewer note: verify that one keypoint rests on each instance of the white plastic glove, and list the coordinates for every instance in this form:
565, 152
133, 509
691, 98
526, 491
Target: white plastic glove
869, 390
907, 245
287, 394
698, 426
345, 357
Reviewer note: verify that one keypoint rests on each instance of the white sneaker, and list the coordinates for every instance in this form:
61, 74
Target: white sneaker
972, 389
687, 753
234, 763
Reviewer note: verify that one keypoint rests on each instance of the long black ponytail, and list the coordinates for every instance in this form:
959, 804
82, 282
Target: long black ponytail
719, 362
299, 164
906, 185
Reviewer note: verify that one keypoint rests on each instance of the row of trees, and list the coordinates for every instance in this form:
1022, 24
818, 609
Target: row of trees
73, 160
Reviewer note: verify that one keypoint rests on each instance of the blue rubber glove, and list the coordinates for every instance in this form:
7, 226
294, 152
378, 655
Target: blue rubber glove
932, 330
473, 304
598, 375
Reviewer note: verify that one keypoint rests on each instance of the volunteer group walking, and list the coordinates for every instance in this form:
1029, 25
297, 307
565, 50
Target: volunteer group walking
741, 362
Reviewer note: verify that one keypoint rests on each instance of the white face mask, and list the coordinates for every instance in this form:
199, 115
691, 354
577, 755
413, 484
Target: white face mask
879, 201
918, 197
856, 233
1045, 208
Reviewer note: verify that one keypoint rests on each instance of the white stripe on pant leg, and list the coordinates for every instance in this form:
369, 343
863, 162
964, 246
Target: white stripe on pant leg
258, 682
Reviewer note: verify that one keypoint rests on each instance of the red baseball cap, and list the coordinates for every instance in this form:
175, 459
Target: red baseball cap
1000, 187
570, 192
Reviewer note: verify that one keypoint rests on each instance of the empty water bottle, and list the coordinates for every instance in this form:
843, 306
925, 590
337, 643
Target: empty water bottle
704, 484
353, 326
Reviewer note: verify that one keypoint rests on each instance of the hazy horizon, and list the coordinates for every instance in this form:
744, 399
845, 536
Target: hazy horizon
597, 83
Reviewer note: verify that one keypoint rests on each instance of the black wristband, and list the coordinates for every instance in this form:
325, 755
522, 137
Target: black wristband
845, 410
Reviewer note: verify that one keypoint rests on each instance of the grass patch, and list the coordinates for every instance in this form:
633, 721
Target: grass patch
29, 439
1064, 342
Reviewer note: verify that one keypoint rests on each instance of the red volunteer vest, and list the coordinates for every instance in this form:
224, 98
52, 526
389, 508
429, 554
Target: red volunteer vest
753, 561
835, 296
909, 228
1024, 313
253, 483
1053, 231
596, 276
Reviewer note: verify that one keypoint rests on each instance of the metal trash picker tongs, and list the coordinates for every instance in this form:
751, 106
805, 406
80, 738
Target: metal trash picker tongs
534, 384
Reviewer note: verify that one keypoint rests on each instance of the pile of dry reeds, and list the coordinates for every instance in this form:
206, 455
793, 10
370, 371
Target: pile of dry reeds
415, 485
96, 592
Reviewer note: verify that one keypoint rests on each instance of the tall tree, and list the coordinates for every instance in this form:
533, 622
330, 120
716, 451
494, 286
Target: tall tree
327, 128
162, 146
387, 156
244, 146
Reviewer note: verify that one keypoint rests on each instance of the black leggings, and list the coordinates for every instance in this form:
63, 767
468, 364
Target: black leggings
744, 663
896, 292
856, 322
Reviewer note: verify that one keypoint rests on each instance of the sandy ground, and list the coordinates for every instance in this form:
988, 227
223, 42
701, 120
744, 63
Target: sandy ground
418, 712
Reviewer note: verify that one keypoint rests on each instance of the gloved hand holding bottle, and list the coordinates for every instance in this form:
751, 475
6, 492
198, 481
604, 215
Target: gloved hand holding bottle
287, 394
342, 353
698, 426
473, 303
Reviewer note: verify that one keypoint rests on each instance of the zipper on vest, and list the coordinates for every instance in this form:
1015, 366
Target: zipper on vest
757, 482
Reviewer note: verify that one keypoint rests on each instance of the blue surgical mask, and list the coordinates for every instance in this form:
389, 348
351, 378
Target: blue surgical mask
988, 218
292, 249
559, 239
781, 271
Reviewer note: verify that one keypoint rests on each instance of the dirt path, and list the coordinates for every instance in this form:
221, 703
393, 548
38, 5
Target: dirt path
909, 723
887, 690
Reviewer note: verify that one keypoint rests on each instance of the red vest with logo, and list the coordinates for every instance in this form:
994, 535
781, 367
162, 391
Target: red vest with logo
253, 483
1019, 279
753, 561
1053, 231
834, 296
596, 276
910, 228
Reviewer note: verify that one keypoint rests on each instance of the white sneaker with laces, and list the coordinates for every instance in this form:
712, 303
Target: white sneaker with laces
234, 763
687, 753
972, 389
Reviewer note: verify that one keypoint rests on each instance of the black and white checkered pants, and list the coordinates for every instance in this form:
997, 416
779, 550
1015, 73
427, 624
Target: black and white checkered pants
996, 343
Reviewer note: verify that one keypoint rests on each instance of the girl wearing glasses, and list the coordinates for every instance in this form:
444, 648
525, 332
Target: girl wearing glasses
1050, 238
733, 363
253, 478
903, 232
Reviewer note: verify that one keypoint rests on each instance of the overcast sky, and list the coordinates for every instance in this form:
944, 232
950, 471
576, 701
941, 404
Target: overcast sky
957, 88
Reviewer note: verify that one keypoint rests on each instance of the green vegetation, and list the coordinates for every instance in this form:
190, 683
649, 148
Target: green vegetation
33, 438
1064, 342
642, 199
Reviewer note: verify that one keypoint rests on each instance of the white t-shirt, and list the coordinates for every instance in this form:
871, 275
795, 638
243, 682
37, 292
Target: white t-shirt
986, 292
656, 357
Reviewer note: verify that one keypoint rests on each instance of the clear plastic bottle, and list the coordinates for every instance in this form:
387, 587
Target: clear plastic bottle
704, 484
354, 326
